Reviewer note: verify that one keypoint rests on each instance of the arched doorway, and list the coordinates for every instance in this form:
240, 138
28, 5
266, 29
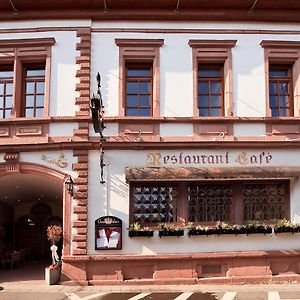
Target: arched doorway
31, 200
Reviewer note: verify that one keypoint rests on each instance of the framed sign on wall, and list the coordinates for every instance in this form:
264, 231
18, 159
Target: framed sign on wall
108, 233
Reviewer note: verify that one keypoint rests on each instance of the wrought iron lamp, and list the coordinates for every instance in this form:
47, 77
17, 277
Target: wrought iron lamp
70, 185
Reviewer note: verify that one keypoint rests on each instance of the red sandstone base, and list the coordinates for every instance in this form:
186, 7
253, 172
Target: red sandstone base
205, 268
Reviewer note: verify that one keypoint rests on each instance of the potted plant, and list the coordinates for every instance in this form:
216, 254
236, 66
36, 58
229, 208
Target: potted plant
196, 229
165, 229
284, 225
254, 226
52, 272
137, 230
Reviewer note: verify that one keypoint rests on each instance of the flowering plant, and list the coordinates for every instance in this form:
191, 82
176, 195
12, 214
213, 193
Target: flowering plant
54, 234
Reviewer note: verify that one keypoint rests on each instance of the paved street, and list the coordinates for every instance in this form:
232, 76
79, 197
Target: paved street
259, 292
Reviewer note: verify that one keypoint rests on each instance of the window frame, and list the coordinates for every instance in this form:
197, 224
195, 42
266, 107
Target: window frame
21, 52
213, 52
139, 79
288, 79
283, 53
209, 79
139, 51
236, 213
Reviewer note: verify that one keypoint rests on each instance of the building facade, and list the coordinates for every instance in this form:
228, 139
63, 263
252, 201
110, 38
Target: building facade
201, 115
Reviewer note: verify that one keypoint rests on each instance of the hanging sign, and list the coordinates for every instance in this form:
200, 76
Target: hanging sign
108, 233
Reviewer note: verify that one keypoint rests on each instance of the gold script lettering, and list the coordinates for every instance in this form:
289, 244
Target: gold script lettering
153, 159
242, 158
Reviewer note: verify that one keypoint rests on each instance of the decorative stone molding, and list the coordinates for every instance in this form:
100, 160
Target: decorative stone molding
80, 197
12, 162
224, 267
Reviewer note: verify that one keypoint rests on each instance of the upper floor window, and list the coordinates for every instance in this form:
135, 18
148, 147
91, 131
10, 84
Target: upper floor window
25, 77
138, 90
6, 91
210, 90
212, 77
282, 69
34, 92
280, 91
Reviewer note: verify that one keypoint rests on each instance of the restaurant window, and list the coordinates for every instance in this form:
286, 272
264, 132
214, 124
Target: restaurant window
138, 90
206, 202
154, 203
280, 91
210, 90
25, 77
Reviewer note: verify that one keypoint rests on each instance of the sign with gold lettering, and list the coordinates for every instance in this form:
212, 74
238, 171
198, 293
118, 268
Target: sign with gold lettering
226, 158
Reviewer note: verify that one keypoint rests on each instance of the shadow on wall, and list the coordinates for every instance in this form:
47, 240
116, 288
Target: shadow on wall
119, 187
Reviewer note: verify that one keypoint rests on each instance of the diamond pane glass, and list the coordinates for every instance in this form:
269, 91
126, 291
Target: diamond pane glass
154, 203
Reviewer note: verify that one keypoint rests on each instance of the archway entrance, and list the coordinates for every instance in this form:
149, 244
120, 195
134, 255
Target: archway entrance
29, 203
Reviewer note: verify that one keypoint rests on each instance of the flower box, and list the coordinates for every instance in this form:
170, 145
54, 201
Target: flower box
145, 233
286, 229
259, 229
52, 276
177, 233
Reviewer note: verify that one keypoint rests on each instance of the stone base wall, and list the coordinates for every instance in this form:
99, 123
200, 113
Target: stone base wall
227, 267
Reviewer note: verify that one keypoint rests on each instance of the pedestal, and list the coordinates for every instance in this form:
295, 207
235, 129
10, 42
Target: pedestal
52, 276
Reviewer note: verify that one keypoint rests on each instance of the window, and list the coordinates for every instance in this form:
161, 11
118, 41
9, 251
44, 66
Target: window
280, 90
154, 203
210, 201
24, 77
210, 90
139, 77
138, 89
282, 69
212, 77
6, 91
34, 91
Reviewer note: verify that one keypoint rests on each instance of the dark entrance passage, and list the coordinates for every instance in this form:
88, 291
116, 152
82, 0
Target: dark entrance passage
28, 205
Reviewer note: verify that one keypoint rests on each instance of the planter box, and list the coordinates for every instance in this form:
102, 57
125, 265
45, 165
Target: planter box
287, 229
52, 276
211, 231
177, 233
264, 230
148, 234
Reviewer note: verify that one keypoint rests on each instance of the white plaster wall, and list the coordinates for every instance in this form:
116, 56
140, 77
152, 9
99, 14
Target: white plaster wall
63, 69
110, 130
62, 129
113, 198
36, 157
249, 129
176, 129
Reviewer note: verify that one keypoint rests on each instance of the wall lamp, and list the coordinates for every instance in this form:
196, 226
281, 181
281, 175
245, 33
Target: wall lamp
70, 185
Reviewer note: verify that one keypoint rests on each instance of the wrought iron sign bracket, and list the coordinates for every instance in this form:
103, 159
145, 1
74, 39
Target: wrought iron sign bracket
97, 109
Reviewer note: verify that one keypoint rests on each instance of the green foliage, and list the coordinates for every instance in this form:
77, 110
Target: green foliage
136, 226
284, 223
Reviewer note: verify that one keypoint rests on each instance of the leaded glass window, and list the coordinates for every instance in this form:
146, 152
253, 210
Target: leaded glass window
154, 203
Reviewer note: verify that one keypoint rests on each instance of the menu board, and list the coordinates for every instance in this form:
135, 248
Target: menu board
108, 233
